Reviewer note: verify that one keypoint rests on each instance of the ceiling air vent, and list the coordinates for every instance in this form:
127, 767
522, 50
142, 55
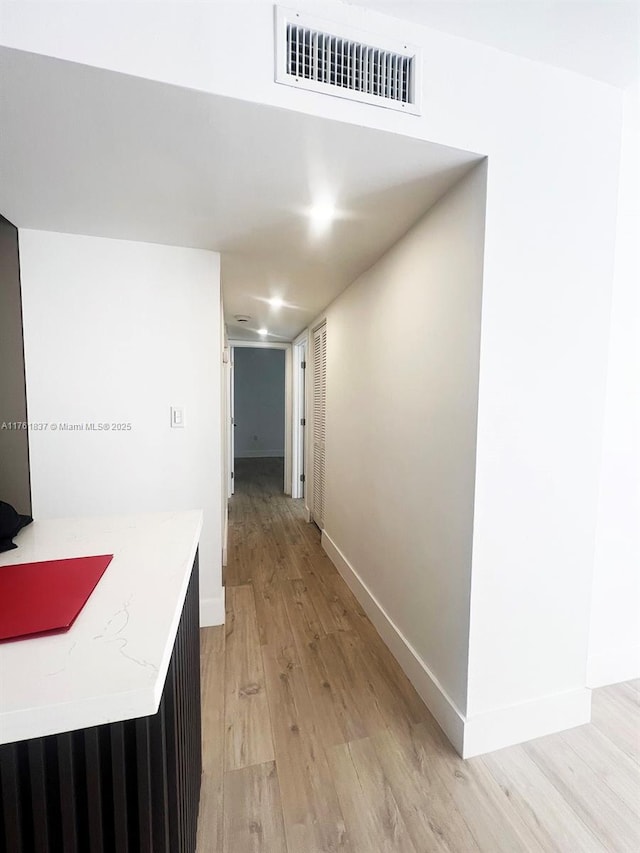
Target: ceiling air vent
312, 54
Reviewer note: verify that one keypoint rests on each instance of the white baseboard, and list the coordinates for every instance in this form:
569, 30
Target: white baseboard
212, 611
477, 734
259, 454
519, 723
611, 666
430, 690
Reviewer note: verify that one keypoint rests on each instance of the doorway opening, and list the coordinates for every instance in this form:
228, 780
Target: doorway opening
260, 412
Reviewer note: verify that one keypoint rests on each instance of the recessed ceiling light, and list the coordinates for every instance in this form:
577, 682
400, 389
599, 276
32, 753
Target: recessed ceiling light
276, 302
322, 214
263, 331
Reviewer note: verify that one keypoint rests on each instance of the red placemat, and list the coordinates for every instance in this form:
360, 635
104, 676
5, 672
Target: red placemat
46, 597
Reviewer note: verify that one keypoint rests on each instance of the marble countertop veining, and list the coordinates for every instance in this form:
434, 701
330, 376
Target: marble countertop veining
112, 663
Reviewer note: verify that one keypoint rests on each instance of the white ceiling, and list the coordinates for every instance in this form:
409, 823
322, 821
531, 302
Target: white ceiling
596, 38
89, 151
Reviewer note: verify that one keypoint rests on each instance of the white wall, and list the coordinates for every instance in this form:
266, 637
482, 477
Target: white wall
259, 402
614, 648
117, 332
403, 345
552, 138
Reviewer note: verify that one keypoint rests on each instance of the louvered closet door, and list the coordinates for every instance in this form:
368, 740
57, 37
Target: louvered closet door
319, 422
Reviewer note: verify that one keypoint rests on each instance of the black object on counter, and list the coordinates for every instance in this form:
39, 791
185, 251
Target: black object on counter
11, 523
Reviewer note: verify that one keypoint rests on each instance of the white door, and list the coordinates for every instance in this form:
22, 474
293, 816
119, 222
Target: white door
319, 423
232, 423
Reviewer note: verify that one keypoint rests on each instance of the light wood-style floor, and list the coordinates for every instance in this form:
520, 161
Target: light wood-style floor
314, 740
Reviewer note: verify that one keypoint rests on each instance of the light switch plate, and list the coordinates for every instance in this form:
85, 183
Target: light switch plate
177, 417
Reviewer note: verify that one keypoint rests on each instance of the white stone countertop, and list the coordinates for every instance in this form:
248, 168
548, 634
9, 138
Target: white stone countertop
112, 663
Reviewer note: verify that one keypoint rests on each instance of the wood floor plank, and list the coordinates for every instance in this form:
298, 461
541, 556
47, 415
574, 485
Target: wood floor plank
615, 714
606, 815
372, 816
429, 812
253, 820
318, 723
248, 737
386, 670
274, 627
292, 529
377, 678
212, 668
331, 688
329, 614
352, 607
277, 555
486, 809
243, 544
540, 803
343, 658
323, 574
313, 819
303, 616
627, 693
612, 766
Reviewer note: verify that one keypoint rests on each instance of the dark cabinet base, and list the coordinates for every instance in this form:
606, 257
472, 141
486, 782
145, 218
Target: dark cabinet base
128, 787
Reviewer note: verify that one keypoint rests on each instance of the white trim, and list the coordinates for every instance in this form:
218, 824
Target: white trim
212, 610
259, 344
256, 454
480, 733
442, 707
502, 727
225, 535
298, 449
303, 336
287, 405
288, 415
228, 431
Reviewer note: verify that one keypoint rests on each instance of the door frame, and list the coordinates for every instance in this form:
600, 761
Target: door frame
288, 402
230, 410
299, 430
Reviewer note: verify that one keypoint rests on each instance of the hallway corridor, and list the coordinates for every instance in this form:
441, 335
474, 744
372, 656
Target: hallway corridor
314, 740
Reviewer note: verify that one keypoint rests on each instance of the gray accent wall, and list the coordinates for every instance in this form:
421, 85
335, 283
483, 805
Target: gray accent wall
14, 442
259, 393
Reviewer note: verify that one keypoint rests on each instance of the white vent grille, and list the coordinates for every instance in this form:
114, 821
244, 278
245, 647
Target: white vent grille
313, 57
328, 59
